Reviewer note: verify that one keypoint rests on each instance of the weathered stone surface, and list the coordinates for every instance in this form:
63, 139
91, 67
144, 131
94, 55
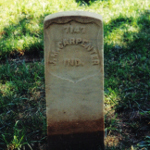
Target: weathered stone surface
74, 79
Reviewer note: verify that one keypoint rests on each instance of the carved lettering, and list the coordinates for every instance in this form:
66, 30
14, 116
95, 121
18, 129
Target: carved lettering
94, 56
66, 29
78, 40
76, 29
52, 62
78, 62
83, 29
54, 54
60, 45
89, 47
58, 49
73, 62
65, 42
95, 62
94, 51
84, 41
72, 41
71, 29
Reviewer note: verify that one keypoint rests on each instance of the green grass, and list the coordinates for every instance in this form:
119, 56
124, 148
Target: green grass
127, 75
22, 103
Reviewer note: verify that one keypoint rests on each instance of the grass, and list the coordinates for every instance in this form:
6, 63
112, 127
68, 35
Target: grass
127, 75
22, 115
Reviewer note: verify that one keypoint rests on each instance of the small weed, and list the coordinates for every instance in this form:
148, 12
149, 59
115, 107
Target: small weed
18, 141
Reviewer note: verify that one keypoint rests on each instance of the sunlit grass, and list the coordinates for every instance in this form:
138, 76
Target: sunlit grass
7, 89
21, 20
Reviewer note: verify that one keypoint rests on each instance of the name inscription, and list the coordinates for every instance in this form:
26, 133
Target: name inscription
86, 44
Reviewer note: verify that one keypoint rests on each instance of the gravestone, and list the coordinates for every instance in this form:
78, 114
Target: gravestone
74, 80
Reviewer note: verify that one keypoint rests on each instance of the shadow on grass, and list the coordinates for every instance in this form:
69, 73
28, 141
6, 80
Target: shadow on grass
87, 2
22, 104
126, 74
24, 37
129, 63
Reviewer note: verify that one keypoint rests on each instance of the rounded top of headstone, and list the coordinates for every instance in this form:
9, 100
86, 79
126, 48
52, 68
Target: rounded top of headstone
64, 17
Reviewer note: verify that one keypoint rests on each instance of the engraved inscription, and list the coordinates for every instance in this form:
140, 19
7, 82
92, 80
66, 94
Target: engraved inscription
89, 47
95, 62
76, 29
94, 56
73, 62
54, 54
52, 62
75, 41
60, 45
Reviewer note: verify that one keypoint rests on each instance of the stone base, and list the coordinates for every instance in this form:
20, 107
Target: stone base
82, 141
